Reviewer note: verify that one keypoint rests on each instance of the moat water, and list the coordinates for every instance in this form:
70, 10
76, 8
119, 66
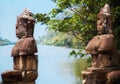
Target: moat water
54, 67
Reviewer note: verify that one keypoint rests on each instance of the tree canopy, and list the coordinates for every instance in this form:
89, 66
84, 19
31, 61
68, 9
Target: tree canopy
78, 18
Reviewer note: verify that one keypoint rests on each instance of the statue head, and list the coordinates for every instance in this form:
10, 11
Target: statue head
25, 25
104, 20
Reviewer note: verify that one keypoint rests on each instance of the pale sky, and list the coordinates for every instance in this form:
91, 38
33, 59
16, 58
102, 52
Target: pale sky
10, 9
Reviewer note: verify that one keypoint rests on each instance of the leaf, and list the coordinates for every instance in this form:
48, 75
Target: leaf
72, 53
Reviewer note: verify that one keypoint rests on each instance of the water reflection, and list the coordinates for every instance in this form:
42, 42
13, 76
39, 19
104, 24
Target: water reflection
53, 66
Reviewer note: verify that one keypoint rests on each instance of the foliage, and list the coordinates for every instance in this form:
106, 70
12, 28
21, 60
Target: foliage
75, 54
80, 54
4, 41
42, 18
78, 17
80, 65
116, 21
59, 39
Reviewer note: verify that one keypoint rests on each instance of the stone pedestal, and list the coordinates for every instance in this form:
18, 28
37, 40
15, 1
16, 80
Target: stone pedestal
19, 77
25, 71
98, 75
94, 76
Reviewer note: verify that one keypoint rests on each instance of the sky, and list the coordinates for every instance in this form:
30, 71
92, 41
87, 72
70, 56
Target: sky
10, 9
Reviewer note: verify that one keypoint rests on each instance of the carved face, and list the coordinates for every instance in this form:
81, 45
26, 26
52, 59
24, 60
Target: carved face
20, 31
25, 25
101, 24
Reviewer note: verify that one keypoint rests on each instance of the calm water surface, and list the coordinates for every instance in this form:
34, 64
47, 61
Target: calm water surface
54, 64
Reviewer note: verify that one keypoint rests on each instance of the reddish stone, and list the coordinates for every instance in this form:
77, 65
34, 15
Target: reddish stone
19, 82
113, 77
32, 63
17, 64
101, 44
30, 75
26, 63
105, 62
102, 49
25, 25
12, 76
26, 46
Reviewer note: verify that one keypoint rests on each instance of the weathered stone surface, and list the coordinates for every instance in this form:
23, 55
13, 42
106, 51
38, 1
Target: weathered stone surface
16, 75
113, 77
12, 76
102, 49
104, 22
101, 44
32, 62
105, 62
25, 82
108, 60
94, 76
26, 63
19, 63
93, 45
87, 77
25, 25
30, 75
107, 44
16, 63
19, 82
26, 46
8, 82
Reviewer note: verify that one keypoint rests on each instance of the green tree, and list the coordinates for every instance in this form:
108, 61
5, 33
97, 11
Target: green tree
78, 17
59, 39
115, 10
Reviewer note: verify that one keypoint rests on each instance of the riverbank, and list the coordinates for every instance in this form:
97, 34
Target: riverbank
4, 44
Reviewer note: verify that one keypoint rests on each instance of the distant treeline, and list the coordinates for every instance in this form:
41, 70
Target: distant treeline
59, 39
5, 42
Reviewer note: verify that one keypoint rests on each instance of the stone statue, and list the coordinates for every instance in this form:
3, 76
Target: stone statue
102, 46
24, 31
105, 67
23, 53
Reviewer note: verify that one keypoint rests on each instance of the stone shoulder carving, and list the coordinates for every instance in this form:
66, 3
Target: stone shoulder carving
25, 46
101, 44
